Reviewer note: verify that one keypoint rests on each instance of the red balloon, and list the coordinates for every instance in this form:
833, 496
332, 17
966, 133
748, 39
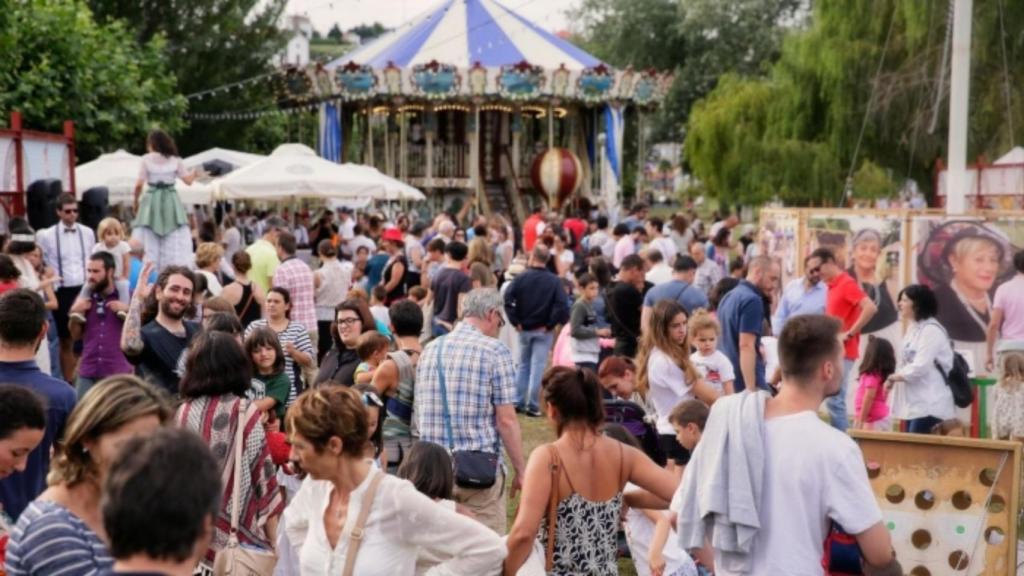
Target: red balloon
558, 174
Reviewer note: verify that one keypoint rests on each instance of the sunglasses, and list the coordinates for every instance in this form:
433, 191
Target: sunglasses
70, 210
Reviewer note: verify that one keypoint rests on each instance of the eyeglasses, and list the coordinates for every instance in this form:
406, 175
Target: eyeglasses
501, 318
814, 270
347, 321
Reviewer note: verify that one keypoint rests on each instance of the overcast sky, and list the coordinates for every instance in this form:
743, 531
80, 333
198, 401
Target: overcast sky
549, 14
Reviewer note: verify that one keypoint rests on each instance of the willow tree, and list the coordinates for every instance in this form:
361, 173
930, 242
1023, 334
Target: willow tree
858, 93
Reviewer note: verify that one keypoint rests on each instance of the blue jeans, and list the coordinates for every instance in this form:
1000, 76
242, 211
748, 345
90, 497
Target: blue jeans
837, 404
53, 344
534, 346
83, 384
922, 425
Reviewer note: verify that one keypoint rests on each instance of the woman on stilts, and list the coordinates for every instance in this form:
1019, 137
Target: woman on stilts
161, 223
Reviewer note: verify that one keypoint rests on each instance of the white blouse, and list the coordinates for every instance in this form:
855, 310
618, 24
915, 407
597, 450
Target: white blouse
401, 523
924, 393
668, 387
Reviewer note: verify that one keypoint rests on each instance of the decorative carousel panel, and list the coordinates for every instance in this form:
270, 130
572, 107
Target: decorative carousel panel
323, 84
477, 80
560, 82
295, 83
521, 81
436, 81
595, 84
651, 87
392, 79
627, 82
356, 82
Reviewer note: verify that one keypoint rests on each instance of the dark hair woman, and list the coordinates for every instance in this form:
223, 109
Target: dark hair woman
351, 318
217, 378
590, 472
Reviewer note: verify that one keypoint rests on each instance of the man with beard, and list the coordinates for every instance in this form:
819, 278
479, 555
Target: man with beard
101, 335
155, 348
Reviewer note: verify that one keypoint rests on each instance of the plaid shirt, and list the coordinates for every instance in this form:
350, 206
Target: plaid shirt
479, 375
295, 275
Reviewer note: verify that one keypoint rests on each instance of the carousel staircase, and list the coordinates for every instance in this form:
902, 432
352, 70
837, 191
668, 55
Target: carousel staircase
499, 202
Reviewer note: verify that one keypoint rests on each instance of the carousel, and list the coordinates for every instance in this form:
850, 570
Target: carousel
472, 100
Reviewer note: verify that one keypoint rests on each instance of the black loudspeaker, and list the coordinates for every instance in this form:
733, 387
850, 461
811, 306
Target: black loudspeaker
94, 206
42, 203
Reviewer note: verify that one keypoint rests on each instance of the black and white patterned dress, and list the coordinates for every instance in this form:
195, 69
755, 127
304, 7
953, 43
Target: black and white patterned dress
586, 534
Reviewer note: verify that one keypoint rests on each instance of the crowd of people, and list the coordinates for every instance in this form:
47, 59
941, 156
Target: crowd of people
345, 397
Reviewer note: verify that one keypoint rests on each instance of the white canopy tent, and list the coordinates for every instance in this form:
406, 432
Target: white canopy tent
294, 171
119, 171
235, 158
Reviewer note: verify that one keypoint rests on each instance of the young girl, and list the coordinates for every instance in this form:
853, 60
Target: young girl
111, 235
647, 528
1006, 418
871, 409
712, 364
270, 384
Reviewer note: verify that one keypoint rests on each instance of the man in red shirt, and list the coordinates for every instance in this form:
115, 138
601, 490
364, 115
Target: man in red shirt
530, 228
847, 302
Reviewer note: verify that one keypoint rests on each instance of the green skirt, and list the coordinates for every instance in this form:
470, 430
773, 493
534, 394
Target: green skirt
160, 210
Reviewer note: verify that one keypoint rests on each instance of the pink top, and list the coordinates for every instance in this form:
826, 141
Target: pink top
879, 408
1010, 299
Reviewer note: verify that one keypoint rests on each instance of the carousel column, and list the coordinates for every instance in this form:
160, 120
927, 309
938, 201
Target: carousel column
639, 155
429, 130
551, 126
369, 135
517, 137
403, 165
472, 121
389, 166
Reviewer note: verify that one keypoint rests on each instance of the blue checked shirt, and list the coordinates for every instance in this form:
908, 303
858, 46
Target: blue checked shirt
479, 375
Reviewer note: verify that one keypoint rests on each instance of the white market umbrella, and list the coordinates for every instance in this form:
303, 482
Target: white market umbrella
394, 189
235, 158
295, 171
119, 171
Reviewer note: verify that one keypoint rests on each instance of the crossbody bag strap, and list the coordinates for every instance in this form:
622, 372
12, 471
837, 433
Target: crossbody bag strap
355, 536
444, 394
236, 487
252, 294
549, 546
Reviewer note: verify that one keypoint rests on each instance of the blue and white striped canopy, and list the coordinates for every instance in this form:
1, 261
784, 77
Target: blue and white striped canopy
462, 33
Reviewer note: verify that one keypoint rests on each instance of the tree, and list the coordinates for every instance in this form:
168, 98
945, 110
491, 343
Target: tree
59, 64
335, 33
368, 32
209, 44
823, 87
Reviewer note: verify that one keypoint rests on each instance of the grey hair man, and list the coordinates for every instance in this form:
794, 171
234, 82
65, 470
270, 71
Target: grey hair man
467, 378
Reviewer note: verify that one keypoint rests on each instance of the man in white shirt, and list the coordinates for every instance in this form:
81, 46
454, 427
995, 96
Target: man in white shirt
665, 245
813, 475
658, 271
66, 248
346, 230
361, 239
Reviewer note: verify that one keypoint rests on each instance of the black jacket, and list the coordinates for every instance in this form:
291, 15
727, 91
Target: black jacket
536, 299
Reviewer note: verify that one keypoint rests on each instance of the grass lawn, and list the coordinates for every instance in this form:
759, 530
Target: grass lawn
537, 431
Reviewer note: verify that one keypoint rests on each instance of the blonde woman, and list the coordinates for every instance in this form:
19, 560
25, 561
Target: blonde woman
328, 433
208, 258
61, 532
666, 376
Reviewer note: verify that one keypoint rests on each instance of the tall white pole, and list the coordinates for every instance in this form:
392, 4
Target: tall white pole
957, 183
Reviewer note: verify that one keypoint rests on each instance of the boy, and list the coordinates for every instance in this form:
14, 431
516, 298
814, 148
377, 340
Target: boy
377, 308
372, 348
688, 419
585, 337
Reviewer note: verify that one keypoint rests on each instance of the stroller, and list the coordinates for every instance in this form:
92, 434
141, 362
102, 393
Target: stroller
632, 417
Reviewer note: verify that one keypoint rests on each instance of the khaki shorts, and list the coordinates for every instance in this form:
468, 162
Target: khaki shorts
488, 504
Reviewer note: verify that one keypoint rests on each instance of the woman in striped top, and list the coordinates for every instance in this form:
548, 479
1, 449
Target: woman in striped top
294, 337
61, 532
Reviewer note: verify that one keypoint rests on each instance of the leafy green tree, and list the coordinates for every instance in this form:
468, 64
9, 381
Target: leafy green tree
810, 110
209, 44
59, 64
335, 33
367, 32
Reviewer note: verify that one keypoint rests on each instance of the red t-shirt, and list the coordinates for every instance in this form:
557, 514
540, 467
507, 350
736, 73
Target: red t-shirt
530, 231
578, 228
844, 297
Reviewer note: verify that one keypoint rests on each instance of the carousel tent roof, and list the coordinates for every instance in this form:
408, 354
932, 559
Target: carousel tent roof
294, 170
119, 171
464, 32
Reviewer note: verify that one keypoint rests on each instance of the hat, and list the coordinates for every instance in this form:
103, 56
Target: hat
392, 234
933, 261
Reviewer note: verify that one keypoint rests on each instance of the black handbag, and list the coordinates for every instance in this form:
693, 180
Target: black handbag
476, 469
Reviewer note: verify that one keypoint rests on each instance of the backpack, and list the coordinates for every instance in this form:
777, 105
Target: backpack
958, 378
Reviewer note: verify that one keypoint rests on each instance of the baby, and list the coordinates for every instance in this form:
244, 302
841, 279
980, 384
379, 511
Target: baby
372, 349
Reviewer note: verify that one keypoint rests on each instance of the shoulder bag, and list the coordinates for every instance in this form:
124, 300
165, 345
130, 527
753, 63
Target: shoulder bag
958, 378
549, 547
355, 536
475, 469
235, 559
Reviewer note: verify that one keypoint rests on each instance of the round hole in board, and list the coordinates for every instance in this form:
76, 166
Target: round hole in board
994, 535
921, 539
997, 504
987, 476
925, 499
895, 494
874, 469
962, 500
959, 560
920, 571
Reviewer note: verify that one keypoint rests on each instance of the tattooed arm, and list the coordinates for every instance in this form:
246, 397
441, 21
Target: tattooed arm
131, 334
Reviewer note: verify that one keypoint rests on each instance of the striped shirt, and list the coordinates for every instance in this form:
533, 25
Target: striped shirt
296, 334
48, 539
479, 375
